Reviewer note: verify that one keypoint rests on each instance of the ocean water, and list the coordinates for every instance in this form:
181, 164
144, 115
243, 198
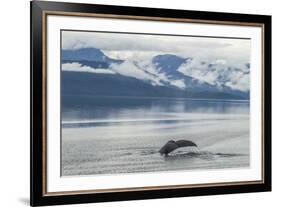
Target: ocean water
109, 135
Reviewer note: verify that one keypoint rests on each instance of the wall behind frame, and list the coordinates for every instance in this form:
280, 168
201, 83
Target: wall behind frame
14, 104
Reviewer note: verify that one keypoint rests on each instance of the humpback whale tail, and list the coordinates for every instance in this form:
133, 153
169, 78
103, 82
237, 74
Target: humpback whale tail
173, 145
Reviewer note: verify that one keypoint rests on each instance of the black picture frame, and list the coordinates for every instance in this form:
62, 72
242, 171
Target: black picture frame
38, 104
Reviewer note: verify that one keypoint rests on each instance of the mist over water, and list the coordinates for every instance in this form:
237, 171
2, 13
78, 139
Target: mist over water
107, 135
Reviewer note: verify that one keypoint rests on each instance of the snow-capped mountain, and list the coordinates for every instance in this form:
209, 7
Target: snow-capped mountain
161, 75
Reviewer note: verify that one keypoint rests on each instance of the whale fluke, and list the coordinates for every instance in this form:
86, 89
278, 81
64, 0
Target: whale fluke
172, 145
185, 143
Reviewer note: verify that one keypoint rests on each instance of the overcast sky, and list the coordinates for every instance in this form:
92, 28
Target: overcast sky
225, 53
130, 46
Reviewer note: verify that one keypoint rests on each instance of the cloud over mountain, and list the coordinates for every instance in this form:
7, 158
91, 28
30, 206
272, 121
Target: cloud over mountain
77, 67
218, 73
127, 46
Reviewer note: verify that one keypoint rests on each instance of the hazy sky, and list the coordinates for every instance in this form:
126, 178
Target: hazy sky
225, 53
126, 46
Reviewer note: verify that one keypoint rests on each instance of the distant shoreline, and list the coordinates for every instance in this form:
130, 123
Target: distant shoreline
160, 97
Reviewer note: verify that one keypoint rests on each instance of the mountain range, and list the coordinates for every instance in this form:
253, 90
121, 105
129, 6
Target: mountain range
90, 72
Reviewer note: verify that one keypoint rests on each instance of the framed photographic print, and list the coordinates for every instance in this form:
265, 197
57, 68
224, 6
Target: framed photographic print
138, 103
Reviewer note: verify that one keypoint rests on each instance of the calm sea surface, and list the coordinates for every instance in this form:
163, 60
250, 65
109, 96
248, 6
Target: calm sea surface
107, 135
